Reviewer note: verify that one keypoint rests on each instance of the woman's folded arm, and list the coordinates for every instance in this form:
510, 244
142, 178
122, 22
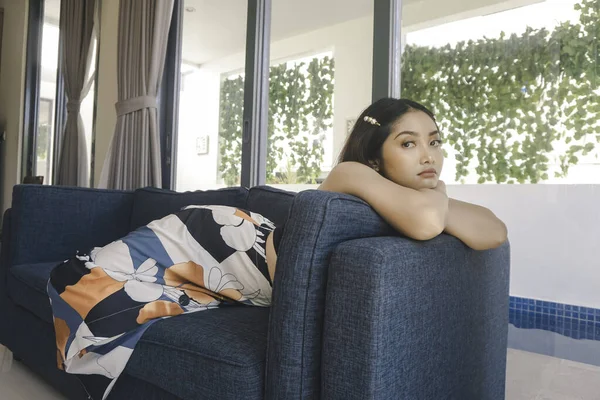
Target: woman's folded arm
418, 214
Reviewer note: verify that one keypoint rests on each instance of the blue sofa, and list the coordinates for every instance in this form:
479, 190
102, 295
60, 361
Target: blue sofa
358, 312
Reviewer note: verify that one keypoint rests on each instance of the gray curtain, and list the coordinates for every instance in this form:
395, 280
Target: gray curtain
133, 158
77, 36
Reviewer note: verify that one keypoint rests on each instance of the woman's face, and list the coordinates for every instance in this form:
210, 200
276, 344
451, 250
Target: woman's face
413, 146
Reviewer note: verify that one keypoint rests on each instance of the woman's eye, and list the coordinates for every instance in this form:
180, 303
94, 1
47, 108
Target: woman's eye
407, 143
437, 142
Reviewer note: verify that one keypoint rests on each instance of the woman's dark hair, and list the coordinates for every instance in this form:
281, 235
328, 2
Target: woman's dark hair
364, 145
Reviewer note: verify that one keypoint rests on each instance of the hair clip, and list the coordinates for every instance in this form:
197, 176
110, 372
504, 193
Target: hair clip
372, 121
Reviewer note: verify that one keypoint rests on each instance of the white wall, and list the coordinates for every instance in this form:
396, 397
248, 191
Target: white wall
198, 116
12, 76
554, 231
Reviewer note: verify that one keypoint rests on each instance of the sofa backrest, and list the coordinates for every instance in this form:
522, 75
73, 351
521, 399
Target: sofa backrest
152, 203
51, 223
271, 203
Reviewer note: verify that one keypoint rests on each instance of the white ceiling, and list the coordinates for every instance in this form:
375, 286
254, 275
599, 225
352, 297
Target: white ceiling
218, 28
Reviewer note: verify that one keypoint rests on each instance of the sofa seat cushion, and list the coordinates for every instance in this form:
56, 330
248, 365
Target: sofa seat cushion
212, 354
150, 204
27, 287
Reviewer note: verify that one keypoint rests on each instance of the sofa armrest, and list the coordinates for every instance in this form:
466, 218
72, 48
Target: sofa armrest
317, 223
51, 223
4, 255
416, 320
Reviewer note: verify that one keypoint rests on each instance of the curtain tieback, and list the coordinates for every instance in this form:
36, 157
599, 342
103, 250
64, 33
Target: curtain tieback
135, 104
73, 106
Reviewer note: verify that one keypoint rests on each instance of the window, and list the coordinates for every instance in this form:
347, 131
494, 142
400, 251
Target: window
44, 137
208, 153
46, 89
320, 80
300, 128
47, 121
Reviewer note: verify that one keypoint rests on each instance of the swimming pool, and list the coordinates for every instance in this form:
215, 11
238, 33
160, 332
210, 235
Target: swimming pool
554, 344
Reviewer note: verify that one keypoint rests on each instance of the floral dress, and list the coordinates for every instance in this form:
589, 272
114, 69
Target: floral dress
193, 260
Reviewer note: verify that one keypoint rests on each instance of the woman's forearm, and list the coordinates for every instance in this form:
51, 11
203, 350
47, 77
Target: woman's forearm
474, 225
416, 214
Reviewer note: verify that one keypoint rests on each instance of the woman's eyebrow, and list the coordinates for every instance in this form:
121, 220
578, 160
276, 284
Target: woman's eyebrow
412, 133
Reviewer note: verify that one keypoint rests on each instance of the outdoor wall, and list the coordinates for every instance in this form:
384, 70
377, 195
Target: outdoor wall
554, 232
12, 76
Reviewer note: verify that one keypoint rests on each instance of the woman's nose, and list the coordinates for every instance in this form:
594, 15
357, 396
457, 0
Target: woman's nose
426, 157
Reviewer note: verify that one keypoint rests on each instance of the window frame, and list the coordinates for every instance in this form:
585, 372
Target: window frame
168, 96
33, 66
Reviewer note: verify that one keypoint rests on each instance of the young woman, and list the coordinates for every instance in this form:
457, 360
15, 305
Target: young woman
393, 160
204, 256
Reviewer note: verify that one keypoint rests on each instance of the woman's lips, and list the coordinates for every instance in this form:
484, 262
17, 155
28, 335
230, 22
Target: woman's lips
427, 174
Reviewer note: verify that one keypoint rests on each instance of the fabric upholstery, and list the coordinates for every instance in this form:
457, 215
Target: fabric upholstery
318, 221
151, 203
6, 305
128, 387
52, 223
32, 340
272, 203
214, 354
415, 320
27, 288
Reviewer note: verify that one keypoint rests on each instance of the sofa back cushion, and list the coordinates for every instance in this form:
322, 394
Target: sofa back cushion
271, 203
51, 223
152, 203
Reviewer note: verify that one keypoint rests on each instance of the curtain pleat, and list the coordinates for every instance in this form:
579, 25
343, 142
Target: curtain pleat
77, 36
133, 159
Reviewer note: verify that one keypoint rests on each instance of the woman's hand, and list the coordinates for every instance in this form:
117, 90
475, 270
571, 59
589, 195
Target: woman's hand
438, 199
441, 187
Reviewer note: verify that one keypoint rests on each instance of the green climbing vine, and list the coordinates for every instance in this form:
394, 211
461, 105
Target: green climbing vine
509, 104
300, 113
231, 111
